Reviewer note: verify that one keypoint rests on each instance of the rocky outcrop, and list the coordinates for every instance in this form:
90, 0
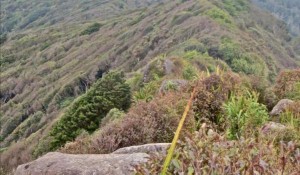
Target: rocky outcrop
280, 107
121, 162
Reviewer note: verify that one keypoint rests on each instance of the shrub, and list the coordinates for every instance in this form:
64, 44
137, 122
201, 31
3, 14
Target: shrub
287, 85
291, 115
195, 47
235, 6
180, 18
147, 92
91, 29
207, 152
212, 92
3, 38
150, 122
219, 15
189, 73
244, 114
112, 115
266, 93
109, 92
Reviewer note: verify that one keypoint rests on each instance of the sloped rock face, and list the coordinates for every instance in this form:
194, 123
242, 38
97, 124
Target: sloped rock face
58, 163
280, 107
121, 162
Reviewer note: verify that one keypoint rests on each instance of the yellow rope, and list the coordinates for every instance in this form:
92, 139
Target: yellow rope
176, 136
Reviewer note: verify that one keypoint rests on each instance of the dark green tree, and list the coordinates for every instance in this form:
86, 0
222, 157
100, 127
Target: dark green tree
87, 112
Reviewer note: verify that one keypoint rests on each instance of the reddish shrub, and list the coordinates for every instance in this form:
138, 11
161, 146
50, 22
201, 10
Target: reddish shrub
212, 92
286, 83
150, 122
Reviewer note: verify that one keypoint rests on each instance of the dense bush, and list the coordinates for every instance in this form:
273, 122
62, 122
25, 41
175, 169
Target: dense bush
288, 85
212, 92
190, 73
291, 116
219, 15
3, 38
180, 18
235, 6
244, 114
207, 152
91, 29
86, 113
147, 92
150, 122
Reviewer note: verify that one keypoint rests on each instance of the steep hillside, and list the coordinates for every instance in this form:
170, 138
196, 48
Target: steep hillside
286, 10
55, 54
23, 14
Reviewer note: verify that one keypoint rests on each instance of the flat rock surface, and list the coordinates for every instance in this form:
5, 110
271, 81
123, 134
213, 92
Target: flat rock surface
67, 164
120, 162
148, 148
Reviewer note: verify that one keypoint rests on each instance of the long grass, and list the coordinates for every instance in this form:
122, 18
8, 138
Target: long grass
176, 136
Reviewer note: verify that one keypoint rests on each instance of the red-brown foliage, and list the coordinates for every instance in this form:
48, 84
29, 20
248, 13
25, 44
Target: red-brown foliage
212, 92
150, 122
285, 82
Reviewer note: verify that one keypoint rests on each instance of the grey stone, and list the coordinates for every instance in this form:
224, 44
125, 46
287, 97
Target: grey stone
280, 107
168, 66
58, 163
120, 162
272, 127
148, 148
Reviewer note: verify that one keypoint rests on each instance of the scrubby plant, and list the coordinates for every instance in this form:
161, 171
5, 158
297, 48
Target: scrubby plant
189, 73
234, 7
91, 29
207, 152
147, 92
291, 115
154, 70
288, 85
219, 15
113, 114
199, 47
180, 18
145, 123
3, 38
211, 93
244, 114
151, 122
87, 112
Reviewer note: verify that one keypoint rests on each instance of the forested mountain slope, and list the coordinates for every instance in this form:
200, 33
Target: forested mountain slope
54, 51
286, 10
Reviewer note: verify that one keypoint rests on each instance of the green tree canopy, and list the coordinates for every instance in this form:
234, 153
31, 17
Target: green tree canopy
87, 112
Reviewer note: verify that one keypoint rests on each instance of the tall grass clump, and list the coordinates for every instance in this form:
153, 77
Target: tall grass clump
244, 114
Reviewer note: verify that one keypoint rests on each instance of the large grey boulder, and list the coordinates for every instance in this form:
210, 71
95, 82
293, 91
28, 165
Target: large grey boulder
121, 162
280, 107
148, 148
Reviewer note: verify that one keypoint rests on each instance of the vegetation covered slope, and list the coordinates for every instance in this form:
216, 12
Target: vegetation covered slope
286, 10
45, 65
23, 14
